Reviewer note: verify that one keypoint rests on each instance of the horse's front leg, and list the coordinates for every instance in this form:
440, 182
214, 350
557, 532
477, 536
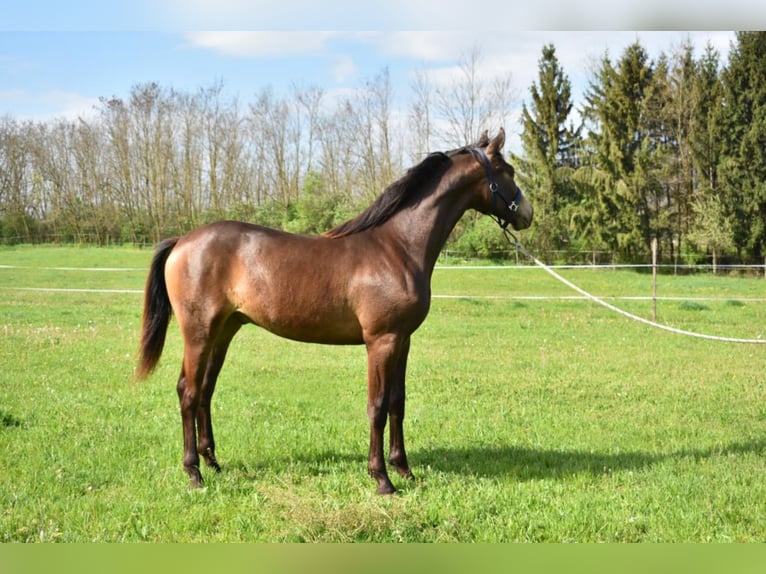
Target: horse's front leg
397, 455
382, 356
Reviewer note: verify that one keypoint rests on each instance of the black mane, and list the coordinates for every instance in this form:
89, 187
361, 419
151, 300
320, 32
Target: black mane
400, 194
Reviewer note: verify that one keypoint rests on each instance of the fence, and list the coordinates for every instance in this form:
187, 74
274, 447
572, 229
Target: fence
589, 261
566, 259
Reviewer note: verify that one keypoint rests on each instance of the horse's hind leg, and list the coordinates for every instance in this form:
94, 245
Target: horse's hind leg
189, 393
206, 442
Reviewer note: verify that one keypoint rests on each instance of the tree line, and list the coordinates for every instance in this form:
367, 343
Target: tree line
671, 149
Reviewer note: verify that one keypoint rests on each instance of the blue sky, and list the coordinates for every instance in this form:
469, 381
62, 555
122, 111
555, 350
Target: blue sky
57, 58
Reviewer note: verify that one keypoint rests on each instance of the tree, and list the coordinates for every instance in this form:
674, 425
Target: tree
743, 155
712, 229
270, 124
16, 179
470, 102
705, 135
670, 117
705, 147
550, 150
612, 181
661, 169
420, 116
374, 134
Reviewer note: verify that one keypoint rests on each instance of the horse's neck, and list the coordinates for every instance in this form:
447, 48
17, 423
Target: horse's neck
425, 227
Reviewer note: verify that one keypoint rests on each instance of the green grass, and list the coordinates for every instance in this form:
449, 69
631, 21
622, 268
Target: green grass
527, 420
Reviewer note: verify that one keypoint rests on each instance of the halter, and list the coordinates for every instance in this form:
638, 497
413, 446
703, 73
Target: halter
494, 188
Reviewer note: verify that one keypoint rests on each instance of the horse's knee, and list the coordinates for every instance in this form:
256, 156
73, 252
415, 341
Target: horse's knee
377, 412
181, 387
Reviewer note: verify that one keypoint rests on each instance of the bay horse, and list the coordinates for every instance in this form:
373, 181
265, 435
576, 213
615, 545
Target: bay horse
368, 281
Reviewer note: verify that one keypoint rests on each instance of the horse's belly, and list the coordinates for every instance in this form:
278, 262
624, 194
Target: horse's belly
311, 320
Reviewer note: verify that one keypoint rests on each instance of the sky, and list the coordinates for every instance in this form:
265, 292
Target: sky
58, 58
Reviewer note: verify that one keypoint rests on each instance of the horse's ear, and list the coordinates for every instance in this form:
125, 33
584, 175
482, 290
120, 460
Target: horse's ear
483, 140
496, 145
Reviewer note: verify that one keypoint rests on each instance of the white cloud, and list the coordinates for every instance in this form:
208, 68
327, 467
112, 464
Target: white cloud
260, 44
427, 46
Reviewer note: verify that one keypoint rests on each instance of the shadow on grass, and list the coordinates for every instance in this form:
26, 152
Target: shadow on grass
523, 463
527, 463
8, 420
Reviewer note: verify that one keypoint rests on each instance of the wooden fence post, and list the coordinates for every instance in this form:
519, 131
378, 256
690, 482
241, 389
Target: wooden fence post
654, 279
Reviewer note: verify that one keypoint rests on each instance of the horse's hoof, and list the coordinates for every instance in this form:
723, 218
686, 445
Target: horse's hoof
210, 460
385, 489
195, 476
405, 473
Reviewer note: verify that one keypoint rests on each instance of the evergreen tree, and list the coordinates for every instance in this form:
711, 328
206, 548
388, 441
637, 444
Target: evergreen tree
705, 134
613, 183
550, 150
743, 154
710, 228
669, 176
658, 176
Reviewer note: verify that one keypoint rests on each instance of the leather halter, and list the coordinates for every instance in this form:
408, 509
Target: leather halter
494, 188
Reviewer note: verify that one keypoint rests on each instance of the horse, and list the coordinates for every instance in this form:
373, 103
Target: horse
365, 282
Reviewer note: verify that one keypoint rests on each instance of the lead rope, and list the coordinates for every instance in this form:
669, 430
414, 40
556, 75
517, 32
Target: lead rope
515, 242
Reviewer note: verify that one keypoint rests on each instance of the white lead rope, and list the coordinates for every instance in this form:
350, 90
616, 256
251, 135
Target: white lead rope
611, 307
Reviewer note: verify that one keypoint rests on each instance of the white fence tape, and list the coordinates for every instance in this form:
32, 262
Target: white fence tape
611, 307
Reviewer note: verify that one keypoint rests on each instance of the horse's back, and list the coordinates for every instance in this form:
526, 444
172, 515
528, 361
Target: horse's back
295, 286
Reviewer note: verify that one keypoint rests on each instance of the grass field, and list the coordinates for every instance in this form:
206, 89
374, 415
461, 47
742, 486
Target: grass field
527, 419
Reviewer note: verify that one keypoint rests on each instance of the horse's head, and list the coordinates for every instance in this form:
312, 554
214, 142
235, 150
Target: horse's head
500, 196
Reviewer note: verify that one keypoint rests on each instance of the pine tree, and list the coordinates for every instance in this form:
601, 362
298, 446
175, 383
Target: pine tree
669, 118
550, 150
613, 182
705, 135
658, 174
710, 227
743, 154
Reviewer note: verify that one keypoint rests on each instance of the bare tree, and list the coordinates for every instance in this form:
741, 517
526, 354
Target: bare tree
338, 136
309, 106
115, 118
371, 116
269, 119
471, 103
189, 160
15, 176
222, 142
420, 116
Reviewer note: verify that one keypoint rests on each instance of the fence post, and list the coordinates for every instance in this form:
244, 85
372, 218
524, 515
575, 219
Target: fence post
654, 279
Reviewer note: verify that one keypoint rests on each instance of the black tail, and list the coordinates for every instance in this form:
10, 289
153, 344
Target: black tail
157, 311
